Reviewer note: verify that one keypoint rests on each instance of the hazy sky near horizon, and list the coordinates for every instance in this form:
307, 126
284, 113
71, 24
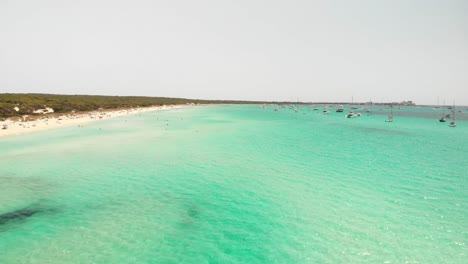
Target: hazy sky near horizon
248, 49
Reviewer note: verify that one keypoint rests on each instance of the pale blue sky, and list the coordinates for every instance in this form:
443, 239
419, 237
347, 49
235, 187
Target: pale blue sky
255, 50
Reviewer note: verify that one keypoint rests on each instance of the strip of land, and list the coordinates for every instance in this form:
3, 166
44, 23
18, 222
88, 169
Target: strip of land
19, 105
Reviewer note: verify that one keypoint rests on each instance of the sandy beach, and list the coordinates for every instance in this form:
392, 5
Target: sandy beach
46, 122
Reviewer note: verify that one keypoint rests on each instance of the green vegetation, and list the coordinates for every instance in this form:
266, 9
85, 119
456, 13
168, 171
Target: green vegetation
28, 103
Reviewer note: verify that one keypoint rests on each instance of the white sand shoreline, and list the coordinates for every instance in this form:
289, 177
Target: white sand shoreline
47, 122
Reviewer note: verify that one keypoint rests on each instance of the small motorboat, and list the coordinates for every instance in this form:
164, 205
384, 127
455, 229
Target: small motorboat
353, 115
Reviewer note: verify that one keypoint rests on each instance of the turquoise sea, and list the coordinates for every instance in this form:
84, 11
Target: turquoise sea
239, 184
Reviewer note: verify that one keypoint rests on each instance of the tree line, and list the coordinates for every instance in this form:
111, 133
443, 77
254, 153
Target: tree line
28, 103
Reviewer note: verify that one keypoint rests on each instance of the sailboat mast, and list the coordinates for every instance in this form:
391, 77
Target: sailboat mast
453, 124
453, 112
442, 119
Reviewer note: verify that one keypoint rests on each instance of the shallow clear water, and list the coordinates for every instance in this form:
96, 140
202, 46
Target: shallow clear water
238, 184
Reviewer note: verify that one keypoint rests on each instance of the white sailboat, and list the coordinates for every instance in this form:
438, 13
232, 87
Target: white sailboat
325, 110
390, 116
453, 124
352, 114
352, 103
442, 119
